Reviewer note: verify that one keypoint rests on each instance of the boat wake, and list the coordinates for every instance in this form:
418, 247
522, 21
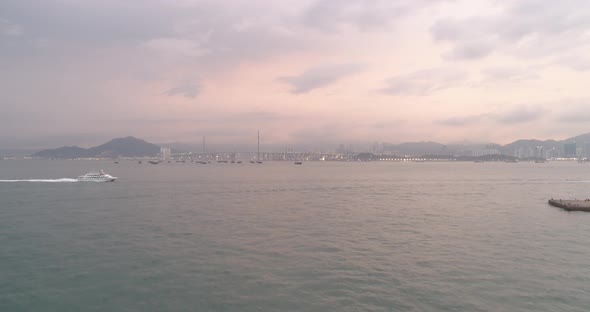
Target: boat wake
43, 180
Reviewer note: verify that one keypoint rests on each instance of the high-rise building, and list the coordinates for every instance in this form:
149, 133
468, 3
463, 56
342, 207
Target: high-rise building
165, 153
488, 150
569, 149
552, 153
539, 152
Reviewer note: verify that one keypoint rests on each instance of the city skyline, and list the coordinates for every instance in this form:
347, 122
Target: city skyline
312, 71
578, 146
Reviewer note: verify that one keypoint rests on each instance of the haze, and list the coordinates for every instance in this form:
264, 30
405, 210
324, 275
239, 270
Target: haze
340, 71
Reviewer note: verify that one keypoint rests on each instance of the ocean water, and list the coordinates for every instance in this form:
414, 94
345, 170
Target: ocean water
324, 236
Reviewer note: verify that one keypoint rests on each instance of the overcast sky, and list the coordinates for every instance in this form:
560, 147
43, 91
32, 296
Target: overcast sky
341, 71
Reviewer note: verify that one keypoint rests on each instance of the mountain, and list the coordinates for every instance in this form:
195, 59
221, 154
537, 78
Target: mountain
547, 144
518, 147
63, 152
125, 147
120, 147
133, 147
581, 139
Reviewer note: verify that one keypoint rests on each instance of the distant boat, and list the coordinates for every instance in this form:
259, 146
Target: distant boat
252, 162
239, 161
116, 162
153, 162
299, 163
139, 162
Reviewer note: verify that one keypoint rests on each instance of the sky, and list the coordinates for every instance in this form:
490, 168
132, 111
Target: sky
76, 72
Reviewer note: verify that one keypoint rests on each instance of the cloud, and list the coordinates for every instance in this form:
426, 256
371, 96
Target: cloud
461, 121
389, 124
323, 132
508, 74
575, 62
522, 27
247, 117
212, 33
175, 47
520, 114
424, 82
10, 29
237, 32
259, 117
469, 51
574, 117
229, 54
577, 111
85, 21
319, 77
190, 90
375, 15
517, 115
466, 37
332, 15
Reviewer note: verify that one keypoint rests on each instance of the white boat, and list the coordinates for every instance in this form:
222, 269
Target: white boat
96, 177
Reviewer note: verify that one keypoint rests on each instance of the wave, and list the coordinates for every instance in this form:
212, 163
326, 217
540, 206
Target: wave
43, 180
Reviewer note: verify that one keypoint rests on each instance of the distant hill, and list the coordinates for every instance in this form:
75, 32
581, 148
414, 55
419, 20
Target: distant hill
133, 147
547, 144
434, 148
120, 147
63, 152
125, 147
580, 140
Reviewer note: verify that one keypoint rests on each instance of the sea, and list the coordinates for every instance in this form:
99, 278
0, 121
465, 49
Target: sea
322, 236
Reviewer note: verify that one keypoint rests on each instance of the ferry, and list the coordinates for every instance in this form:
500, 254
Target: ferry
96, 177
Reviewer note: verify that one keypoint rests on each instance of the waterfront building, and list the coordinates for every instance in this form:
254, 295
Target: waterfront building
165, 153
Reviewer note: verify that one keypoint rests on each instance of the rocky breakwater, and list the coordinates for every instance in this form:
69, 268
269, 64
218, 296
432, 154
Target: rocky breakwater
571, 204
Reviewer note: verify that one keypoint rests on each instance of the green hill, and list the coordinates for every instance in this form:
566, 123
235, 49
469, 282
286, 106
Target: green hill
120, 147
